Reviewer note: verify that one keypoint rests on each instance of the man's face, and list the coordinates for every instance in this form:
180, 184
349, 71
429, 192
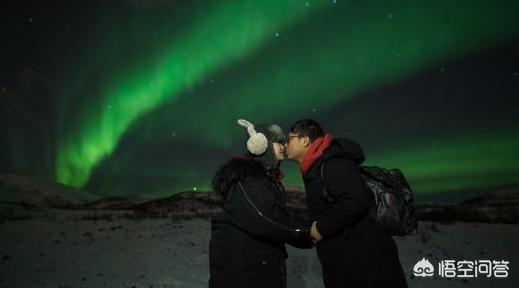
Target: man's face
296, 146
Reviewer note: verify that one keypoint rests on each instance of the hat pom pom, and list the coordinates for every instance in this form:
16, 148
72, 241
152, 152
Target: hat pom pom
257, 144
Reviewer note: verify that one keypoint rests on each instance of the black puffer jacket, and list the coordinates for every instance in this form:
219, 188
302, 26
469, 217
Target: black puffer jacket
355, 252
247, 246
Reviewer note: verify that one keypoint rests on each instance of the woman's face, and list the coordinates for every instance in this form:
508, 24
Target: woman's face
279, 151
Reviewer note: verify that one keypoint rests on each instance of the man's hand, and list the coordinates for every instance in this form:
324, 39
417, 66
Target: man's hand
316, 236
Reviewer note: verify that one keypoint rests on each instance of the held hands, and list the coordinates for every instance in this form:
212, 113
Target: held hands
316, 236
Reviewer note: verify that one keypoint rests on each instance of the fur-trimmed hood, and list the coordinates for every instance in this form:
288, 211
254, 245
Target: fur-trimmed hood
237, 169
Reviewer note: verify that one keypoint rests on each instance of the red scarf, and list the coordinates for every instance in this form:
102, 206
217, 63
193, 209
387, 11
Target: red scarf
315, 151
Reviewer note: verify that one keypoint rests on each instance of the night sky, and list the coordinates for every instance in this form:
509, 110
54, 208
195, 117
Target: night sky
140, 97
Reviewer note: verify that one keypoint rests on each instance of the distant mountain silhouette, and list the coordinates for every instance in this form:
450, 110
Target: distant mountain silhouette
31, 191
499, 206
114, 203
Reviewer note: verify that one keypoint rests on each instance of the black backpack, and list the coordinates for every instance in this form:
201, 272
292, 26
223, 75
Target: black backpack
393, 208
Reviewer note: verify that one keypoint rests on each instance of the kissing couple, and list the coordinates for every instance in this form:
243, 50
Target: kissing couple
248, 236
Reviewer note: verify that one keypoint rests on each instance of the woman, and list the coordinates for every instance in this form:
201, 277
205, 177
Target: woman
247, 238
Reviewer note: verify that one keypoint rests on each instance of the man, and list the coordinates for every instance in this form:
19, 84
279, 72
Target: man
353, 250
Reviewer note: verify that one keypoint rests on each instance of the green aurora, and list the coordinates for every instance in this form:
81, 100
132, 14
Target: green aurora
178, 75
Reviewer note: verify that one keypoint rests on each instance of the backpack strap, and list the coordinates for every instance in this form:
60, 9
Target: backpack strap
321, 178
327, 195
329, 198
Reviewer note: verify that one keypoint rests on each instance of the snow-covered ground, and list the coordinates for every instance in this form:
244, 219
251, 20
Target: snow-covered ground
68, 251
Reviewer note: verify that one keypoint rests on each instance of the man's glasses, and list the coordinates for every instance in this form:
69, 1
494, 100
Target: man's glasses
293, 136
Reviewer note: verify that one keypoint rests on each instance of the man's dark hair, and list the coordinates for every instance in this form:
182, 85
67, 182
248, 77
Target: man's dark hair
309, 128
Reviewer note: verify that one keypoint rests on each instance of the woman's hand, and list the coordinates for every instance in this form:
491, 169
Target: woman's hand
314, 233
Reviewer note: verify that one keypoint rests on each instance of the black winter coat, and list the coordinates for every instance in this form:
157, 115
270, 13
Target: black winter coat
355, 251
247, 246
